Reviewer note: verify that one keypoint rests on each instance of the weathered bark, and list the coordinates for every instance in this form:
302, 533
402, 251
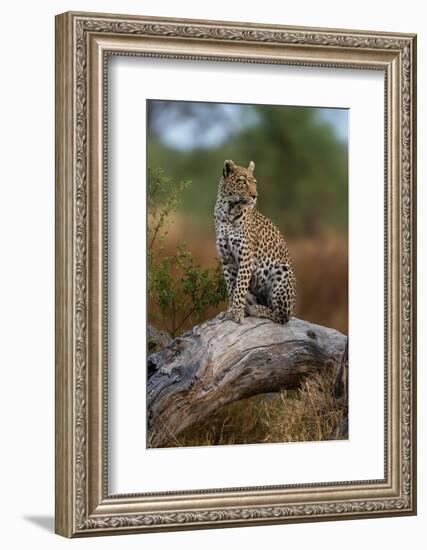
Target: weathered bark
341, 396
157, 340
158, 337
221, 361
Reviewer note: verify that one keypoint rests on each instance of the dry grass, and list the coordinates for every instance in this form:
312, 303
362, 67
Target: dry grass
321, 270
307, 414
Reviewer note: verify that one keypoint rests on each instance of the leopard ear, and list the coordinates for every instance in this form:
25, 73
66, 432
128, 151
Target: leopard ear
251, 167
228, 168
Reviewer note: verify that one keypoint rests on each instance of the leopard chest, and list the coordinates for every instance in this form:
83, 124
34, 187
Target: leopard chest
233, 243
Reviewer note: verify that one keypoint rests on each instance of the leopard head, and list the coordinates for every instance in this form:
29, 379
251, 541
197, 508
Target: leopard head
238, 185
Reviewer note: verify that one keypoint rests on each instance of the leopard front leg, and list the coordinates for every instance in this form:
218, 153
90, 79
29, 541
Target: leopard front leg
236, 309
229, 271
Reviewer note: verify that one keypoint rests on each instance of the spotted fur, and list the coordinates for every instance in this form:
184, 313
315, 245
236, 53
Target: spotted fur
255, 259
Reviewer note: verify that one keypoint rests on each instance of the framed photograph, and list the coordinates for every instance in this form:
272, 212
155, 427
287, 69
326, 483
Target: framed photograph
235, 274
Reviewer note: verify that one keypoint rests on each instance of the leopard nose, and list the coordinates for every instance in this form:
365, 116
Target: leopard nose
254, 195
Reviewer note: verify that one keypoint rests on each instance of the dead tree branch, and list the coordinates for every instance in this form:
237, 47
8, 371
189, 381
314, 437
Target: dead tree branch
220, 361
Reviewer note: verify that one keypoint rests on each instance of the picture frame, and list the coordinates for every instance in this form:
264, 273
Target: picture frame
84, 42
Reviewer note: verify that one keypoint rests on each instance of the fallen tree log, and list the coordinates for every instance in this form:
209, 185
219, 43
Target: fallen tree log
221, 361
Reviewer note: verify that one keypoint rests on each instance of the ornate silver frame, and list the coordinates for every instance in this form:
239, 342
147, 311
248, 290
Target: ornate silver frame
83, 41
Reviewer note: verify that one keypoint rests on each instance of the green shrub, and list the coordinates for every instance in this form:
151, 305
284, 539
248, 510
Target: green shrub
179, 288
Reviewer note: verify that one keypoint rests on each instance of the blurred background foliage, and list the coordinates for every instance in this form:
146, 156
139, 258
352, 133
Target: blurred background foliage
300, 155
301, 162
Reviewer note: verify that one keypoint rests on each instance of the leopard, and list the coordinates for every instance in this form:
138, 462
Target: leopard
256, 263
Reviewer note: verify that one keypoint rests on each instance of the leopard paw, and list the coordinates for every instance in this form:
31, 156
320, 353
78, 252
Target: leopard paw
233, 315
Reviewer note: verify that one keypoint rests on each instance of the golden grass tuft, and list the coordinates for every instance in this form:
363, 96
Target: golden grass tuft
307, 414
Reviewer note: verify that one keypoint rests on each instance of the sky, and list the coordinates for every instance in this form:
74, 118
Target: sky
184, 133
